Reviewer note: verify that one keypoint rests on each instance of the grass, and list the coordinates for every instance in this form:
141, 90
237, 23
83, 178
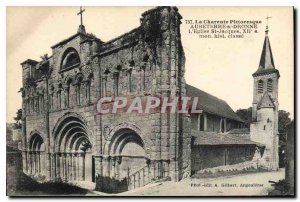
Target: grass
227, 173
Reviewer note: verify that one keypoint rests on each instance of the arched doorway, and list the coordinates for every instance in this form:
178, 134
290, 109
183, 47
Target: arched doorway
127, 157
36, 155
73, 150
128, 153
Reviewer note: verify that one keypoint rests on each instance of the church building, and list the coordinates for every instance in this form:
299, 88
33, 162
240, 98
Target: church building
64, 138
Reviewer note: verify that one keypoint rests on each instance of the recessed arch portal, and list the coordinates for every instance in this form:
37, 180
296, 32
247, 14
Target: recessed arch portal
127, 150
72, 147
36, 154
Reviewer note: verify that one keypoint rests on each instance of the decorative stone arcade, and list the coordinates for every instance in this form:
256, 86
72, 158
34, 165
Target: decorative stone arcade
36, 155
71, 159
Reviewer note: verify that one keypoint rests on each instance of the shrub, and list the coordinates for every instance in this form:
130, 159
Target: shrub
111, 185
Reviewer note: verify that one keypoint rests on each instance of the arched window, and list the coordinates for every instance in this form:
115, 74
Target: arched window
260, 86
70, 59
270, 85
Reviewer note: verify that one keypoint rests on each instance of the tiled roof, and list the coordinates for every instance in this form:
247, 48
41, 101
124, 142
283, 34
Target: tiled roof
239, 131
214, 138
211, 104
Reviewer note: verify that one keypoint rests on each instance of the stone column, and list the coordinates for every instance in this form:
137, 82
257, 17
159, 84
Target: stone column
113, 167
28, 162
61, 166
31, 162
69, 167
39, 162
58, 165
52, 169
65, 166
74, 166
153, 170
24, 161
78, 167
118, 162
106, 167
34, 162
81, 167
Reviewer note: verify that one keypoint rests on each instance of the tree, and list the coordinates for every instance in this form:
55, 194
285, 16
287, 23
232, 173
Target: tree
18, 119
283, 118
245, 115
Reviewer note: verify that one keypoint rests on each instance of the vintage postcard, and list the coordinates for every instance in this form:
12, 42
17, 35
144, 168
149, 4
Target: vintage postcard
150, 101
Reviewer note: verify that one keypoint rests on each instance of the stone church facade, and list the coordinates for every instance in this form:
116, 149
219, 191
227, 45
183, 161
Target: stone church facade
63, 136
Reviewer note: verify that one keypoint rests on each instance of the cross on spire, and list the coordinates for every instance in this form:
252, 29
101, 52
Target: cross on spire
267, 18
267, 27
80, 13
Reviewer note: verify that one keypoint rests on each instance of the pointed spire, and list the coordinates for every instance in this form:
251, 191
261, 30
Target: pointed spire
266, 59
266, 63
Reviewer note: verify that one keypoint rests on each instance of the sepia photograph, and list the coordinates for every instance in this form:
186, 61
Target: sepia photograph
150, 101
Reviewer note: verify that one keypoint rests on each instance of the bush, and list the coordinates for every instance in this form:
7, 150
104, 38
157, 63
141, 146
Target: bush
111, 185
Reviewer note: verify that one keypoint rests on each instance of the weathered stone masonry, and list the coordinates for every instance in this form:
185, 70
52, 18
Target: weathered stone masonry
63, 136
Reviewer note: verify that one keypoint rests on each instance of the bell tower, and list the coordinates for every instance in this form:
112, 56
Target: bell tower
264, 126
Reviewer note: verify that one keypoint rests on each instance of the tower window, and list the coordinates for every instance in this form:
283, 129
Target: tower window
270, 85
260, 86
264, 127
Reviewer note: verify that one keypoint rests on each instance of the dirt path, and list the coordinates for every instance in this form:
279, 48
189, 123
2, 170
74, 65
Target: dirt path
239, 185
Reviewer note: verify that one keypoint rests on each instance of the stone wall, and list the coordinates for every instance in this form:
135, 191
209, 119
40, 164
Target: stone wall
148, 60
204, 157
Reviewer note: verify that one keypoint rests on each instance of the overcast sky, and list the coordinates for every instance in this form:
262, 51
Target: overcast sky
221, 67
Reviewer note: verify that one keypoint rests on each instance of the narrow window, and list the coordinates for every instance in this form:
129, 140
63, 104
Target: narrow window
260, 86
116, 80
105, 80
222, 126
201, 122
37, 103
270, 85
